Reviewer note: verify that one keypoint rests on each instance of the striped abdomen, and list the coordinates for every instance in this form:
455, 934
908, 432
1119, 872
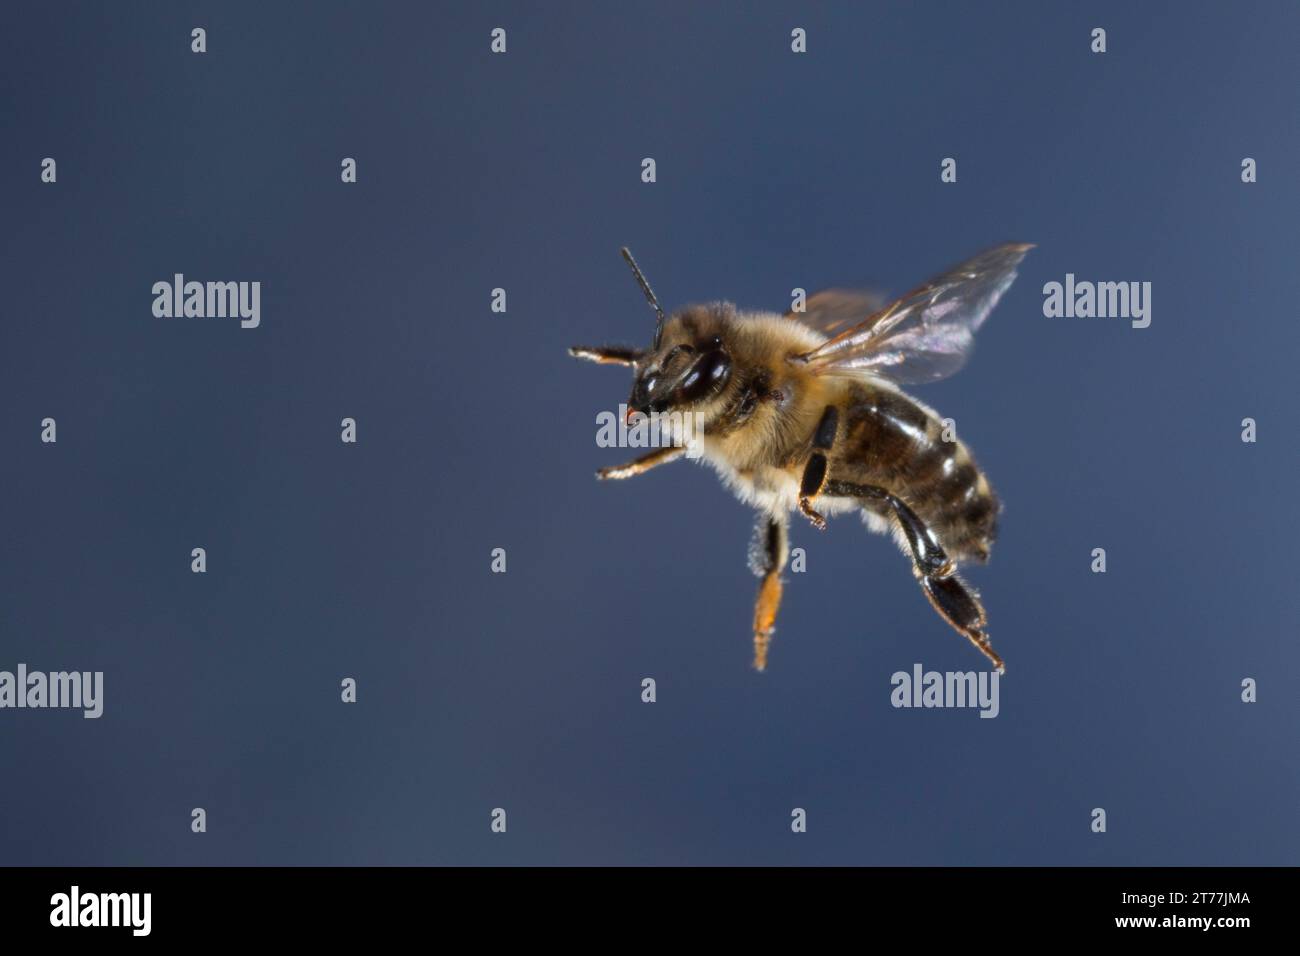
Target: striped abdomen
891, 440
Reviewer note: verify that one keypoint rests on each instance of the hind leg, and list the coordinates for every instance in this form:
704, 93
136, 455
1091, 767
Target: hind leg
935, 571
766, 559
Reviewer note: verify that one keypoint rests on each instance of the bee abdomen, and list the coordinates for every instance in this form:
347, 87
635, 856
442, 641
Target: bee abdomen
898, 444
953, 494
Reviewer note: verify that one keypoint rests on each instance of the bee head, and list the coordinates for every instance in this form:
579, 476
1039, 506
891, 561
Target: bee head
688, 367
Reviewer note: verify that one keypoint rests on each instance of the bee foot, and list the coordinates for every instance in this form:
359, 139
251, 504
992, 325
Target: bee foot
817, 520
961, 609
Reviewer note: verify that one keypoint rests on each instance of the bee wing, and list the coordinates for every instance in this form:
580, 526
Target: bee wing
927, 334
831, 309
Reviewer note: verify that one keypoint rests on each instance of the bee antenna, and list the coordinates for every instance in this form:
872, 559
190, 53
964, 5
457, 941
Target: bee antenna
648, 292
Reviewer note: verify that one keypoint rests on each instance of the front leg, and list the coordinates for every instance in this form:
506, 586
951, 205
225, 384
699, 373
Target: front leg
639, 466
814, 472
606, 356
766, 558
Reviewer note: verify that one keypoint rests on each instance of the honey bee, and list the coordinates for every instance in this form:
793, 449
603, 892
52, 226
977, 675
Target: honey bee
799, 417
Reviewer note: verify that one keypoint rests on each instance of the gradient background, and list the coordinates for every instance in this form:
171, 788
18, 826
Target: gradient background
479, 690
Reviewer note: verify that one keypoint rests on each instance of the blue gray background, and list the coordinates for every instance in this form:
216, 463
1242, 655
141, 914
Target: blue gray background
522, 690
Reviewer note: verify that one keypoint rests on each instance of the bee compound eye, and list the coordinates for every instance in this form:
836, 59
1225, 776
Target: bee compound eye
720, 368
676, 353
710, 370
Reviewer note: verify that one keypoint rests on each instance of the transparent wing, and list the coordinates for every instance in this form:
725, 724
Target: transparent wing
831, 309
928, 333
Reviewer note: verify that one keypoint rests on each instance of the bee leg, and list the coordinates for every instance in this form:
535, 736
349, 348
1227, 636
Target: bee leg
959, 607
814, 477
639, 466
814, 472
606, 356
935, 571
767, 556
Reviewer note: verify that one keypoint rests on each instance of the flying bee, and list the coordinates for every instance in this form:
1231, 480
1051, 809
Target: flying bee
798, 416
